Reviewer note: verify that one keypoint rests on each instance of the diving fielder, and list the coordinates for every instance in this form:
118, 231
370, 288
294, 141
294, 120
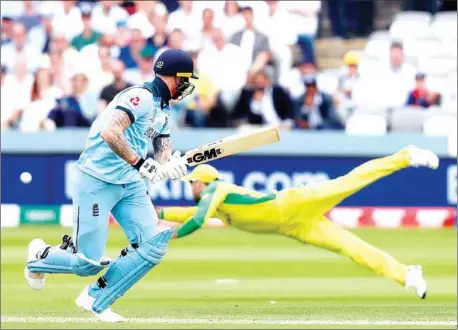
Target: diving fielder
299, 212
109, 177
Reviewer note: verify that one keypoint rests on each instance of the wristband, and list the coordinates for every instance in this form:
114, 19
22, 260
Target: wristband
138, 163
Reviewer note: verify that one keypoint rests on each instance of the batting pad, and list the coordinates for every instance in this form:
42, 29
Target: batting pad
124, 272
60, 261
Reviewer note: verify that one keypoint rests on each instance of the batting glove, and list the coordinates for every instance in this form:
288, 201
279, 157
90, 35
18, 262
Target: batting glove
175, 168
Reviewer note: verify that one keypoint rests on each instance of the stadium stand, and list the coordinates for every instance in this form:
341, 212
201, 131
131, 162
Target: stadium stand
72, 51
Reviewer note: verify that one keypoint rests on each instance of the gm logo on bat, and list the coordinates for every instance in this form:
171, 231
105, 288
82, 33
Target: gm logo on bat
204, 156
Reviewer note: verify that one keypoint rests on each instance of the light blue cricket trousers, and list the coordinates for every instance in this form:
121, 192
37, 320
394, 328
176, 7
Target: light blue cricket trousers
94, 199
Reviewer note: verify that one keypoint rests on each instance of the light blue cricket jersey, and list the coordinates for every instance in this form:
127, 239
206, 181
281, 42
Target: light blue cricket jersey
148, 109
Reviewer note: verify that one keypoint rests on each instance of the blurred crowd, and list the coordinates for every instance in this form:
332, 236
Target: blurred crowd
62, 62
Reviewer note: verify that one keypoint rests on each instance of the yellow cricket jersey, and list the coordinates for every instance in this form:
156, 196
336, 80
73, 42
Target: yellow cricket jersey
237, 206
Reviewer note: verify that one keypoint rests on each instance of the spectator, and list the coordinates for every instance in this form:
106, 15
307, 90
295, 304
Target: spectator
208, 26
70, 110
109, 92
175, 41
281, 40
228, 78
12, 9
90, 53
102, 75
122, 34
204, 108
337, 13
6, 30
304, 17
293, 79
232, 21
260, 9
347, 81
105, 16
144, 18
216, 6
70, 55
21, 79
88, 36
43, 99
254, 45
398, 66
130, 55
264, 104
19, 47
315, 109
145, 71
29, 18
186, 19
396, 81
160, 37
16, 87
67, 19
7, 100
171, 5
40, 36
421, 96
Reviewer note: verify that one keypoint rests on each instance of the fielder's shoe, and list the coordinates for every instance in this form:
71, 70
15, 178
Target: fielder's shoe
85, 302
415, 281
422, 157
35, 280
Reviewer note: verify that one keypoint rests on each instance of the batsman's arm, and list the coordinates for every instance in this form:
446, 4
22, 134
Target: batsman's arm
113, 134
162, 149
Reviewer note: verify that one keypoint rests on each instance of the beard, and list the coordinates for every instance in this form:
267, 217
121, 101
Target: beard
197, 199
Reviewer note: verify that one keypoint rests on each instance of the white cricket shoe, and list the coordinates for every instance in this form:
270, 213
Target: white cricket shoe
415, 281
422, 157
85, 302
35, 280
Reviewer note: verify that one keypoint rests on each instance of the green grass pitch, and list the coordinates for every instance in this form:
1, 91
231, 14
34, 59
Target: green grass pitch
224, 278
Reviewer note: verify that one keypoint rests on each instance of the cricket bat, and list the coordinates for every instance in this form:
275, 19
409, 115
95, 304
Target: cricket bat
231, 145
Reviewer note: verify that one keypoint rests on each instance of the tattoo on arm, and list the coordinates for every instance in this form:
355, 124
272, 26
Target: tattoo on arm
162, 149
113, 134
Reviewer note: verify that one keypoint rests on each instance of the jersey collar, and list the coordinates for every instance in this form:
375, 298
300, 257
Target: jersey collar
160, 89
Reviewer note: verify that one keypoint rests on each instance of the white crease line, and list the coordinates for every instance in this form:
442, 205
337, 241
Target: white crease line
159, 320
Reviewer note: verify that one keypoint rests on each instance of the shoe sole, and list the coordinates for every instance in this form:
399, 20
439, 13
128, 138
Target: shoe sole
27, 278
82, 307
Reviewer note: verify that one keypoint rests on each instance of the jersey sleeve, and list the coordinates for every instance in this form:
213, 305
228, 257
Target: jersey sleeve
135, 101
177, 214
166, 129
212, 197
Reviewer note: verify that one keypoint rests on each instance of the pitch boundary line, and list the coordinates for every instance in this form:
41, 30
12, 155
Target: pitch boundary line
160, 320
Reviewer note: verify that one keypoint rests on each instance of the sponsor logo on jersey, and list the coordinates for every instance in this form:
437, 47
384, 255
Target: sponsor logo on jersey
151, 133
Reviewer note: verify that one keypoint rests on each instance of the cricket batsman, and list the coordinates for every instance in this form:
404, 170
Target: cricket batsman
299, 212
109, 177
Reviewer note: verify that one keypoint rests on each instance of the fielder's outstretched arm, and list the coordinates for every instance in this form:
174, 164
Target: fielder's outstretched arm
178, 214
211, 198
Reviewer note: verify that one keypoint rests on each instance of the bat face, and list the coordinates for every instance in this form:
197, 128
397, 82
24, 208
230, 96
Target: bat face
231, 145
